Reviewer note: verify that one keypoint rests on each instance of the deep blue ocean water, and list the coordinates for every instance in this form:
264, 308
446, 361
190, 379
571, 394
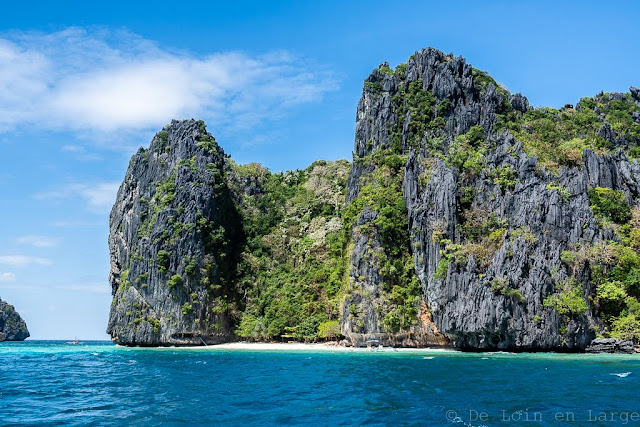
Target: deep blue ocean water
98, 384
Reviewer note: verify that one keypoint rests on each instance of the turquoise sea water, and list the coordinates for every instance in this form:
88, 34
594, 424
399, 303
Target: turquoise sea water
48, 382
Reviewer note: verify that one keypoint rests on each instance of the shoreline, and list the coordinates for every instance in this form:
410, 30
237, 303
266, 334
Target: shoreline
262, 346
302, 348
334, 348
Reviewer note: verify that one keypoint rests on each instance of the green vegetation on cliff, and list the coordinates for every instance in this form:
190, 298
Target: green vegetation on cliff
458, 196
614, 266
294, 271
558, 137
292, 267
381, 192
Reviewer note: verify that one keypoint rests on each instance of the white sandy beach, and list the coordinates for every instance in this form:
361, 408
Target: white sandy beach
260, 346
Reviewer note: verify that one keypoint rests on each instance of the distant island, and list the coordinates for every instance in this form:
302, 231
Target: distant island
12, 327
467, 219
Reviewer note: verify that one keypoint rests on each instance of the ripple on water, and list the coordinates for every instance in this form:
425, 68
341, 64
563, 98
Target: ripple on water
104, 384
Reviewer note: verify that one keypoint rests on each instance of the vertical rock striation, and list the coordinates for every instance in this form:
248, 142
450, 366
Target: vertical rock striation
173, 231
484, 287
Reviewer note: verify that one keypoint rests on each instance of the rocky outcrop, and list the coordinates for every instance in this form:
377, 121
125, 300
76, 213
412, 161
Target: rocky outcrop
452, 234
496, 302
12, 327
610, 345
391, 105
463, 302
173, 235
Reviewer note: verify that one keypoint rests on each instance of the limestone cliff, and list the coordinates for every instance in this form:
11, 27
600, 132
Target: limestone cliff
173, 231
12, 327
493, 223
467, 218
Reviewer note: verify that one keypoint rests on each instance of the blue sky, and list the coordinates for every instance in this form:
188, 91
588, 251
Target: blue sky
82, 86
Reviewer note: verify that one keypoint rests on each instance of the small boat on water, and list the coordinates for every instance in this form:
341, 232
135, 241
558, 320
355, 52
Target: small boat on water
75, 342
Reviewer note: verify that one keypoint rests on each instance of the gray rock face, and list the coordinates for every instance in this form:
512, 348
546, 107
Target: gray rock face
173, 230
449, 79
542, 215
606, 132
12, 327
610, 345
520, 103
463, 304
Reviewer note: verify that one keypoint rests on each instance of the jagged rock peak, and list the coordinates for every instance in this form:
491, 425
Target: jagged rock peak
12, 327
464, 97
184, 138
173, 232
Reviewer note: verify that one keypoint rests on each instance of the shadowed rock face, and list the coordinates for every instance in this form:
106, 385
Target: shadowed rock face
464, 306
173, 230
610, 345
12, 327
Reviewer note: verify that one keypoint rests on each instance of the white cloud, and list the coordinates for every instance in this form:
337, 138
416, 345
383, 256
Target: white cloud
23, 260
76, 224
73, 148
100, 81
80, 152
99, 196
37, 241
7, 277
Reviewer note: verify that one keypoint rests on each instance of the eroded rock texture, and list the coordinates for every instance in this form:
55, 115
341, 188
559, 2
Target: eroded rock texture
489, 292
173, 231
